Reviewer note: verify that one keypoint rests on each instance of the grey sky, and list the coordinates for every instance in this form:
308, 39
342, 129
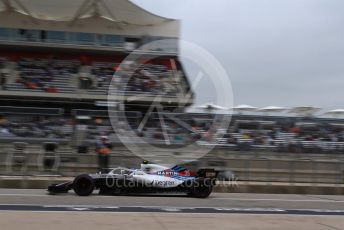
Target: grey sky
277, 52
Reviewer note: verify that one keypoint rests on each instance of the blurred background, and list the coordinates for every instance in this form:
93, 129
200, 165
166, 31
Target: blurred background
61, 61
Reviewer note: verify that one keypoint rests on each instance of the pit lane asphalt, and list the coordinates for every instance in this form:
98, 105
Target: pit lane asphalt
217, 201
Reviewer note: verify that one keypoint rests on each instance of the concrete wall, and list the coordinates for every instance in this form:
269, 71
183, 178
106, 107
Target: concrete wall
248, 166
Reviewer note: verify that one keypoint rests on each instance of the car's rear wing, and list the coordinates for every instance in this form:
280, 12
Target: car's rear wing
207, 173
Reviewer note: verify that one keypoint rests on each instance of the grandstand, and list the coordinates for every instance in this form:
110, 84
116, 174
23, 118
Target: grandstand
58, 63
77, 51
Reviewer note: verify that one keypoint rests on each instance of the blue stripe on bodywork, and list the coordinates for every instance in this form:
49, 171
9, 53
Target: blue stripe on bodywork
178, 168
174, 167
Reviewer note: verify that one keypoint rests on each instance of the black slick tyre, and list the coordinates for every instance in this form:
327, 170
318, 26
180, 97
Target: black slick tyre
83, 185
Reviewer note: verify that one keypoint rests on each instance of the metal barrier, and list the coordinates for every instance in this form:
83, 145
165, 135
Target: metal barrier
17, 159
340, 168
247, 166
49, 158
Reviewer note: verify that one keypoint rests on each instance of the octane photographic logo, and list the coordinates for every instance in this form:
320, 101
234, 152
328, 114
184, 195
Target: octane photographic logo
164, 130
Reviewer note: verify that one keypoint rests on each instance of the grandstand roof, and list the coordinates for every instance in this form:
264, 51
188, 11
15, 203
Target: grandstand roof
272, 109
120, 11
244, 108
211, 106
304, 110
336, 112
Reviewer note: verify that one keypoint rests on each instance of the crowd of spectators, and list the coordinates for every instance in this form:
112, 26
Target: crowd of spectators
36, 128
131, 78
154, 79
39, 73
316, 136
138, 78
207, 131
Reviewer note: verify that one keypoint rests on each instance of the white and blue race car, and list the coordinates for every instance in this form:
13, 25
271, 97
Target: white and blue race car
150, 178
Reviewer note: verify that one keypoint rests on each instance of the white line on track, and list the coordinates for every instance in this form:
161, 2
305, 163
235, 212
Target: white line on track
29, 195
282, 200
316, 212
160, 213
257, 209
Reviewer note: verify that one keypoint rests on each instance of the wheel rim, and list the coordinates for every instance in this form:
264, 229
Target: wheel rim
84, 183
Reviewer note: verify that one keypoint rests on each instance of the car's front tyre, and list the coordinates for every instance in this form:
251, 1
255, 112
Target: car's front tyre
83, 185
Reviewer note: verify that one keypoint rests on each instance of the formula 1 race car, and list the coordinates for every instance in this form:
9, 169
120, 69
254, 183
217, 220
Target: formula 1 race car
150, 178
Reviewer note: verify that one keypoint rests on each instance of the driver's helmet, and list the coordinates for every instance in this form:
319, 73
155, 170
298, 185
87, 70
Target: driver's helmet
145, 166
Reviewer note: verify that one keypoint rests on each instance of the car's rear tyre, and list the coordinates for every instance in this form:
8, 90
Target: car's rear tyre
200, 190
83, 185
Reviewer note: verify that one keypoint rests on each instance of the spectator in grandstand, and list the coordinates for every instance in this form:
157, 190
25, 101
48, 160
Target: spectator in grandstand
2, 62
103, 150
295, 130
50, 89
232, 140
84, 81
4, 131
3, 79
3, 120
